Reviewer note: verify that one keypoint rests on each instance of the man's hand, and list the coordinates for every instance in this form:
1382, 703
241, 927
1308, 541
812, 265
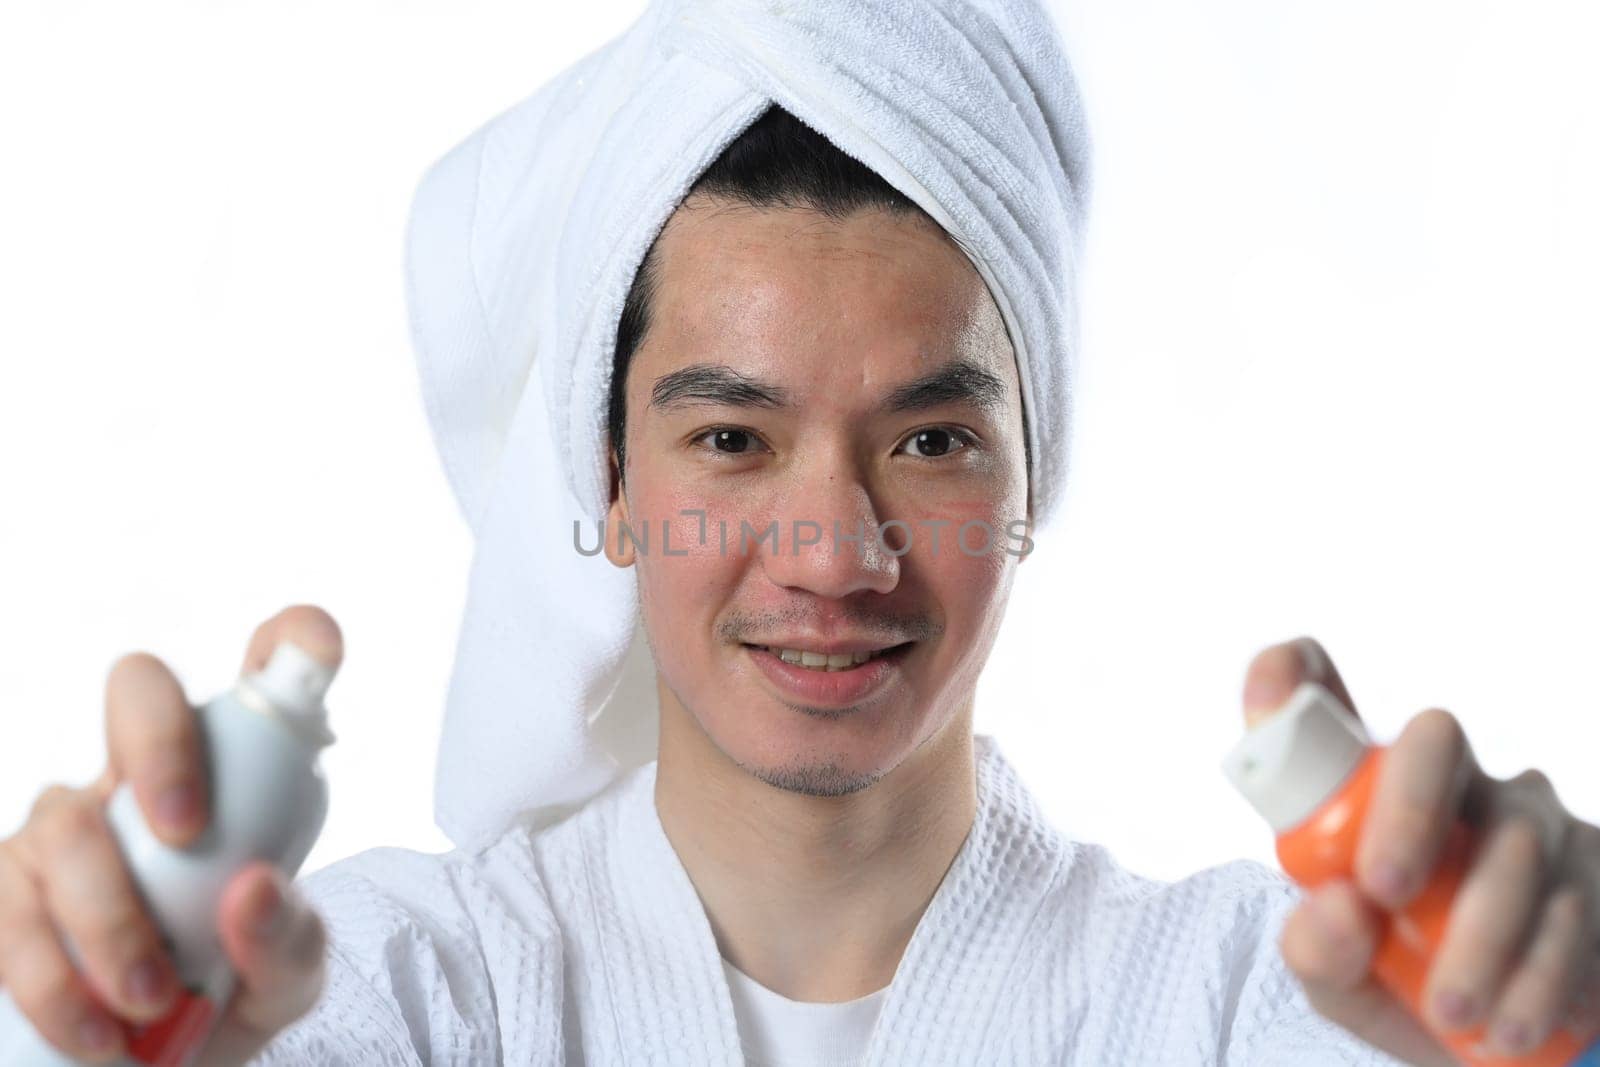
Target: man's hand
1520, 949
63, 875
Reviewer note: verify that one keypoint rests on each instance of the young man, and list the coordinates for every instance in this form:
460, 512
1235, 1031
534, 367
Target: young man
821, 864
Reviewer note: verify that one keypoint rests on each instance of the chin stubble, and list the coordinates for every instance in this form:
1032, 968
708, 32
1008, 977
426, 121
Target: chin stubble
819, 779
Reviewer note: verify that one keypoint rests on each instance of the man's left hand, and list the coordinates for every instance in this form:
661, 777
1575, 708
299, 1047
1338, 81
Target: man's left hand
1521, 951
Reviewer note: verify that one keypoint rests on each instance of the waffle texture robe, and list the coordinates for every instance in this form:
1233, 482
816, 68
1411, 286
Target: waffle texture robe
585, 943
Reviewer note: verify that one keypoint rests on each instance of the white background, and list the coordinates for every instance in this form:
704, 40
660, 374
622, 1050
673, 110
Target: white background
1340, 379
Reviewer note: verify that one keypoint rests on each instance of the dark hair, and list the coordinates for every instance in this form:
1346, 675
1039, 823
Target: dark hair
778, 161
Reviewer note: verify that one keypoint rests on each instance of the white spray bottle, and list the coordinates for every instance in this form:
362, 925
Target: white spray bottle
261, 741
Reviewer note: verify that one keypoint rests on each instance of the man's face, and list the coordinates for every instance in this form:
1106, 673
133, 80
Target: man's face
802, 370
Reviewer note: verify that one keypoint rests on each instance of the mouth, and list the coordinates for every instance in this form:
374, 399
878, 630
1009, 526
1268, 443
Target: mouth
841, 680
832, 663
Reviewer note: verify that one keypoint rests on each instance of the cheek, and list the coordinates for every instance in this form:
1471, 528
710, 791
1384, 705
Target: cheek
960, 541
685, 576
967, 569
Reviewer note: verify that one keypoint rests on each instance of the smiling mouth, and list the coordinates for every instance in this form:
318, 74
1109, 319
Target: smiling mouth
839, 661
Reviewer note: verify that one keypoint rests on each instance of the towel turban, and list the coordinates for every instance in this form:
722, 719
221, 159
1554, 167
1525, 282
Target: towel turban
522, 244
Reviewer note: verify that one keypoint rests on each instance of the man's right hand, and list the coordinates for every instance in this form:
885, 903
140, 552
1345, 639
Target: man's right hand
63, 879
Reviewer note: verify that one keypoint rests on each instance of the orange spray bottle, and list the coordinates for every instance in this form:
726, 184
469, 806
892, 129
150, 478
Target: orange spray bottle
1309, 770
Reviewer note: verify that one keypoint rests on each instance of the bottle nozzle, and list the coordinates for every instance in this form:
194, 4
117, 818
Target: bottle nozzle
1293, 759
294, 684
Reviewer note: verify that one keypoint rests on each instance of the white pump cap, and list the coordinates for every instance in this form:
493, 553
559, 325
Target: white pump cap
294, 684
1289, 765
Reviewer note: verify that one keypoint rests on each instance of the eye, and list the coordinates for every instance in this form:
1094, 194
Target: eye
936, 442
729, 440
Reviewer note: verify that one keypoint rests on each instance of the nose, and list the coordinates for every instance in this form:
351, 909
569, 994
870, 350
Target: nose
829, 539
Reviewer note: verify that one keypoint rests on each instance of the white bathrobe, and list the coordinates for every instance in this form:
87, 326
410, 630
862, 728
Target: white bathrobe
585, 943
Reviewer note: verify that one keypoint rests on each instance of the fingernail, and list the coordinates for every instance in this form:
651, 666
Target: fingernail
97, 1033
178, 804
1512, 1037
1453, 1007
147, 982
1264, 690
269, 914
1390, 881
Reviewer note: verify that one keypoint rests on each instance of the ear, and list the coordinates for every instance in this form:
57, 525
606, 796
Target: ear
618, 547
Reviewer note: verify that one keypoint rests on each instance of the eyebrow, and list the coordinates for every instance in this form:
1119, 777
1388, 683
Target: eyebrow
957, 382
715, 383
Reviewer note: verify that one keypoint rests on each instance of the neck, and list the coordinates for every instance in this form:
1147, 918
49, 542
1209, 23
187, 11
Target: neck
815, 897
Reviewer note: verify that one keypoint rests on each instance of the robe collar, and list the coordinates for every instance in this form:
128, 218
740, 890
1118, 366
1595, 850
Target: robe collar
661, 971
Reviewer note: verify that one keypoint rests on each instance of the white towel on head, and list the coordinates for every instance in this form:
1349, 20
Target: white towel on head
523, 242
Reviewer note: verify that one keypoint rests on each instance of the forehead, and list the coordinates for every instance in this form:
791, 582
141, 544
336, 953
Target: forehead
793, 293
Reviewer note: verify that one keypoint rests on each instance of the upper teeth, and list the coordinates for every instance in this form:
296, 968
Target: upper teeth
834, 662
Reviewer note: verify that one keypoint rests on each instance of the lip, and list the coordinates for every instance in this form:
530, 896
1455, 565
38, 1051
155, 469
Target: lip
829, 689
827, 648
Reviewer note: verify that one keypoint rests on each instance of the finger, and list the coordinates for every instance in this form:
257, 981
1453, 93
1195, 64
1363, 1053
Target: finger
1328, 943
277, 945
1546, 978
1415, 804
1489, 922
1275, 672
154, 744
1582, 862
37, 973
1582, 1014
306, 625
92, 900
1329, 939
1529, 796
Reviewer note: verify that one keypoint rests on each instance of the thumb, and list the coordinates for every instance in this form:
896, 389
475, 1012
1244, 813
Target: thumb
1277, 671
1328, 942
277, 945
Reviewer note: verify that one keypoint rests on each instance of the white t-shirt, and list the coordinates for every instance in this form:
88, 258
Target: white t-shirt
778, 1032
